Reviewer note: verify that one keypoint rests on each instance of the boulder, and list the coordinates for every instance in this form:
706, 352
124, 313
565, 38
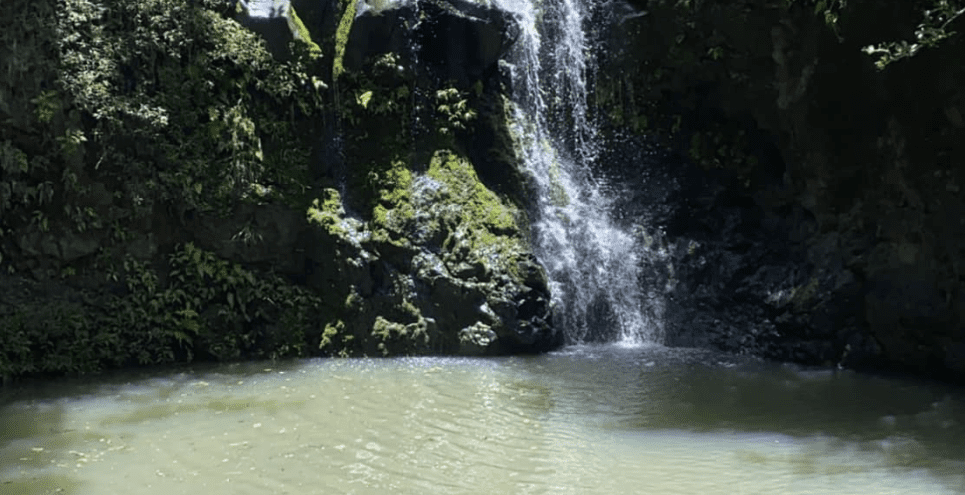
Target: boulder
443, 283
451, 40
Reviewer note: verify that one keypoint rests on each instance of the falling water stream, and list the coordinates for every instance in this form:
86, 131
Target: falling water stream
592, 262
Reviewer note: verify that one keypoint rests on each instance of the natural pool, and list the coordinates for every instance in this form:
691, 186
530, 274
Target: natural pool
606, 419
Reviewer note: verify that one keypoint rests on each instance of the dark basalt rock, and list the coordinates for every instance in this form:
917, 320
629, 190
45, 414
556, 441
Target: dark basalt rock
811, 203
450, 40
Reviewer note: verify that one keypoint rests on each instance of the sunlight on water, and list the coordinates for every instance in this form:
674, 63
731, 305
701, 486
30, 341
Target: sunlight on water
585, 420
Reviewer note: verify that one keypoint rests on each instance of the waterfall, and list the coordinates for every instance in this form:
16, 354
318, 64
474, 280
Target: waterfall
592, 262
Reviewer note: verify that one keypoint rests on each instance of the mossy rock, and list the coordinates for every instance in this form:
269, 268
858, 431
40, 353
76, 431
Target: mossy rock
439, 253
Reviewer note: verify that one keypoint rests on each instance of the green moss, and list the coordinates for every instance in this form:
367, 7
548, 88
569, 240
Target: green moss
385, 329
341, 37
396, 338
353, 302
398, 184
482, 227
328, 212
410, 309
802, 296
331, 334
393, 209
479, 205
301, 31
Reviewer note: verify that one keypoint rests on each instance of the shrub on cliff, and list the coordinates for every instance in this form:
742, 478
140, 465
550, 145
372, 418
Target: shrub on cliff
181, 98
163, 102
114, 115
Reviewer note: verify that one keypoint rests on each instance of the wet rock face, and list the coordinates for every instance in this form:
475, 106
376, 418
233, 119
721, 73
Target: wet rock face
423, 245
401, 296
377, 216
815, 212
440, 282
413, 254
256, 235
451, 40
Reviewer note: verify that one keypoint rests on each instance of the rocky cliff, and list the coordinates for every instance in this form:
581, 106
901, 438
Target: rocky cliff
813, 201
221, 179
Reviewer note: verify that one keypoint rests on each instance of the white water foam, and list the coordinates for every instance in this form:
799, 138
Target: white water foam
592, 262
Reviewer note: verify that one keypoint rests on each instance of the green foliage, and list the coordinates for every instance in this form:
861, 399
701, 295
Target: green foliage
215, 307
625, 107
71, 142
48, 102
932, 30
376, 93
723, 148
184, 100
454, 109
829, 10
110, 111
715, 52
51, 338
202, 306
363, 99
379, 109
25, 191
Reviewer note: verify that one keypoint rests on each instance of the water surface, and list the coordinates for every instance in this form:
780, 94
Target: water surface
585, 420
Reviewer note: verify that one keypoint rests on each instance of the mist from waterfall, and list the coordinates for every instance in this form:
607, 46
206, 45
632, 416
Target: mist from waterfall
593, 263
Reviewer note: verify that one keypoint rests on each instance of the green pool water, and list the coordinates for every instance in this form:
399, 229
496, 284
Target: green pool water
609, 419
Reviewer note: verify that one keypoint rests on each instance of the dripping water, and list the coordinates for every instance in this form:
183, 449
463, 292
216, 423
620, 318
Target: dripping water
592, 261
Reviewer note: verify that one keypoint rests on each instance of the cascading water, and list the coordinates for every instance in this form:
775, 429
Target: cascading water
592, 262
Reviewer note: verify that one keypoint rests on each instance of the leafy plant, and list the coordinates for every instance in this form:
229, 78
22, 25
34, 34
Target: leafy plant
218, 308
932, 30
199, 94
454, 108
